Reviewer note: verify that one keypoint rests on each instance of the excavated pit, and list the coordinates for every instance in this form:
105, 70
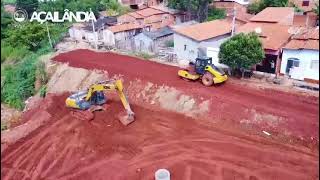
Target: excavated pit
193, 131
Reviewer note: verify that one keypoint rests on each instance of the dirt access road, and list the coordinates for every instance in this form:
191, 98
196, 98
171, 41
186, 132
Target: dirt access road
295, 115
66, 148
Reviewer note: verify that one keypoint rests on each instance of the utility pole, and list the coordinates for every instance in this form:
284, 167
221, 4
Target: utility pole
94, 34
49, 35
233, 21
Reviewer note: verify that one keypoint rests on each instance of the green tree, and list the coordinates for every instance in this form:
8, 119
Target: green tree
6, 20
28, 5
27, 34
258, 6
215, 13
194, 7
242, 51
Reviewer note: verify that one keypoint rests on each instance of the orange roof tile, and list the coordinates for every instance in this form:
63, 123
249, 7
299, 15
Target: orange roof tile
243, 16
273, 36
153, 19
149, 12
273, 14
124, 27
303, 44
307, 33
207, 30
135, 15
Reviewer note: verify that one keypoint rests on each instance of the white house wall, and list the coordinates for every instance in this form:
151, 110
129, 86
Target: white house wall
191, 52
305, 57
143, 42
108, 38
124, 35
76, 34
191, 47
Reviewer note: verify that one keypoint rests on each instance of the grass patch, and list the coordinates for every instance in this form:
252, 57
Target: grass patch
12, 54
144, 55
43, 91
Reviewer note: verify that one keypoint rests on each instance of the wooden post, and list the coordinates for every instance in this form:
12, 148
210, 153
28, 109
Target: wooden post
278, 64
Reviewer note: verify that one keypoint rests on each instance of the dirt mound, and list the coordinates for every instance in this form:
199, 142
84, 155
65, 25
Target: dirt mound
280, 113
70, 79
66, 148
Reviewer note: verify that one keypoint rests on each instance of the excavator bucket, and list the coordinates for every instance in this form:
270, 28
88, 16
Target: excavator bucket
126, 118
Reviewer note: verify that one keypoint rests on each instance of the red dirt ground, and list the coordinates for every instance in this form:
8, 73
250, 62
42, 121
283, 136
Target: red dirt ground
231, 102
66, 148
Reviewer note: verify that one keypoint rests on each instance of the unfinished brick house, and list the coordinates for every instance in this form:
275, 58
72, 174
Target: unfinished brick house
150, 18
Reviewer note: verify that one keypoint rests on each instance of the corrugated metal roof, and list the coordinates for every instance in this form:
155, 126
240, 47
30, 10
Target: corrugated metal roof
159, 33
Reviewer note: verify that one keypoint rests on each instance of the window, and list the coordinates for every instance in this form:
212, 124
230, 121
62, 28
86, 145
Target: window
185, 47
315, 65
292, 62
305, 3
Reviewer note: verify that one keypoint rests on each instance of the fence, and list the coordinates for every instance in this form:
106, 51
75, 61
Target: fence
161, 52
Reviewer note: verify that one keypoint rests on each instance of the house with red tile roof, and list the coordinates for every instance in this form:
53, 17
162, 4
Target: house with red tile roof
189, 41
276, 15
273, 37
151, 18
124, 32
272, 25
300, 57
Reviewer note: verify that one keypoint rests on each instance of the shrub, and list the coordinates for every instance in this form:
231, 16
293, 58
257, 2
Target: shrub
215, 13
14, 54
4, 126
143, 55
41, 72
43, 91
242, 51
18, 84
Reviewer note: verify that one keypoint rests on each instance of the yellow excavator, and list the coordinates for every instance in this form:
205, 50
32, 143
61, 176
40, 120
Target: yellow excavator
85, 103
205, 70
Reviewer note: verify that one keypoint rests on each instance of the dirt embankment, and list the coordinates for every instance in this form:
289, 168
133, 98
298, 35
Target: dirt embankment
280, 113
